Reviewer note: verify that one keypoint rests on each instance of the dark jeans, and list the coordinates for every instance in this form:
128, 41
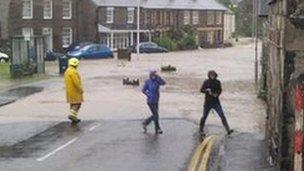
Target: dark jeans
218, 108
154, 117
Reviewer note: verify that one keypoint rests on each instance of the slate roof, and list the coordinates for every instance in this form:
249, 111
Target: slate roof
164, 4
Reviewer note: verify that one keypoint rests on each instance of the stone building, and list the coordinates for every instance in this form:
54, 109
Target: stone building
113, 22
4, 15
57, 19
117, 20
283, 60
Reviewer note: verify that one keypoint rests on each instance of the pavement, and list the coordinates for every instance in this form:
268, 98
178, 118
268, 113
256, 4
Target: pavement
104, 146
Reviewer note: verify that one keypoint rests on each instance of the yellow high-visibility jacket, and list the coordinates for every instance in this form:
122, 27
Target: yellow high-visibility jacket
73, 86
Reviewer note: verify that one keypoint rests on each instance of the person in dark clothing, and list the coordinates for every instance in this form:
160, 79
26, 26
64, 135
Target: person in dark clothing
212, 89
151, 90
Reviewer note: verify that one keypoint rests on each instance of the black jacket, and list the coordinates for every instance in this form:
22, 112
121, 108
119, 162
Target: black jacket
215, 87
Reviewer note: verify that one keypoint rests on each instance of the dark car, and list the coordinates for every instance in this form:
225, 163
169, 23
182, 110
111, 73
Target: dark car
92, 51
148, 47
52, 56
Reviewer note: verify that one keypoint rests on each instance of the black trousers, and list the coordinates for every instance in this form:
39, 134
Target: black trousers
219, 110
154, 117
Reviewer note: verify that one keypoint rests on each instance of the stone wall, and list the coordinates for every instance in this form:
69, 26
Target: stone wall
284, 64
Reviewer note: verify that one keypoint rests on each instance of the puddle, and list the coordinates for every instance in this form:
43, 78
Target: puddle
21, 92
13, 95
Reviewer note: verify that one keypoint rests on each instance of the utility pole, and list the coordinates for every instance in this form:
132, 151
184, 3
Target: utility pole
138, 26
253, 20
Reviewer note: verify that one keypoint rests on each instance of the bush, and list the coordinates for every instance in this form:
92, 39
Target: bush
167, 43
179, 39
187, 42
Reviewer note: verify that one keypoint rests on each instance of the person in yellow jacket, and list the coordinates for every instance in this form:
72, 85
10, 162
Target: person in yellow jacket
74, 90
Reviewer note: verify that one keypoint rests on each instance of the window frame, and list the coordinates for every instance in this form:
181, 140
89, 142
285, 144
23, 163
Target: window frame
66, 45
69, 17
187, 18
211, 17
110, 15
25, 29
218, 15
195, 17
31, 10
131, 15
51, 10
50, 31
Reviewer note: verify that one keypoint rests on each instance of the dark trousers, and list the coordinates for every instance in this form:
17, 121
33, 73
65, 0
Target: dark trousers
219, 110
154, 117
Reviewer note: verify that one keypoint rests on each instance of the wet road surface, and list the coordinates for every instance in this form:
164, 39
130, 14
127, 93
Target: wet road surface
104, 145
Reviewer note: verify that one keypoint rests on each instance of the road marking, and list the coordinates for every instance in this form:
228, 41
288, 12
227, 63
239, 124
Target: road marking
201, 156
56, 150
94, 127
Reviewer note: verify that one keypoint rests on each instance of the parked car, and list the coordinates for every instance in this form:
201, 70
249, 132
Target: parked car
148, 47
3, 57
92, 51
77, 46
52, 56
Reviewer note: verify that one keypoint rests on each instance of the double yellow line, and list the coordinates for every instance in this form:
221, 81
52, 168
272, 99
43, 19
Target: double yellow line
201, 156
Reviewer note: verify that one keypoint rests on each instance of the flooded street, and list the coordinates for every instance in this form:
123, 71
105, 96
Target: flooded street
107, 99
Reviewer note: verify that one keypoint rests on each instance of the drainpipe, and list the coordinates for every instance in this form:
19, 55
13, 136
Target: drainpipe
138, 26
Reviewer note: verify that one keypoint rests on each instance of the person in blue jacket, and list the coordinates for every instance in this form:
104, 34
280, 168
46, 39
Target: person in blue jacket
151, 90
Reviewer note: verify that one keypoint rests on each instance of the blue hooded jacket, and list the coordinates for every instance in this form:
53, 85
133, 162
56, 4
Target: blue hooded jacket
151, 88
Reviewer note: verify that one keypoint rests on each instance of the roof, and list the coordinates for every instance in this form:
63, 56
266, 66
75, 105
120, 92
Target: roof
164, 4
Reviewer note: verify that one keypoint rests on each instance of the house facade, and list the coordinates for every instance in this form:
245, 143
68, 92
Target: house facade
58, 20
117, 22
114, 22
283, 69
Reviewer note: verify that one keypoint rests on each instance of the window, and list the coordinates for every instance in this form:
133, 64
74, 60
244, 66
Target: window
48, 32
27, 9
110, 15
210, 37
67, 37
27, 32
147, 18
67, 9
130, 15
171, 18
48, 9
186, 17
210, 18
195, 17
154, 18
219, 17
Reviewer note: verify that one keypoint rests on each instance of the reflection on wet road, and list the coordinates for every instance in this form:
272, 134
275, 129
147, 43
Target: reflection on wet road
104, 145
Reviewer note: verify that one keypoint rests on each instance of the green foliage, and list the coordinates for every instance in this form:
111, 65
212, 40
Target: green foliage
4, 70
187, 42
179, 39
21, 70
167, 43
244, 16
